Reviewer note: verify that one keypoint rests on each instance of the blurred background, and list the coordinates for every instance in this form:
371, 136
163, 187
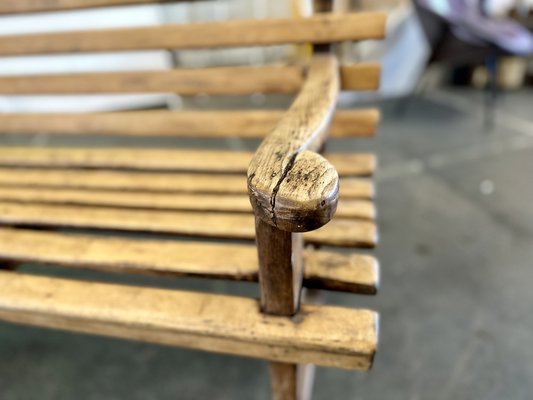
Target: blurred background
455, 204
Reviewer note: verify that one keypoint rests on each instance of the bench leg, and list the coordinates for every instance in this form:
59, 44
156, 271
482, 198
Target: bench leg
284, 381
291, 381
280, 279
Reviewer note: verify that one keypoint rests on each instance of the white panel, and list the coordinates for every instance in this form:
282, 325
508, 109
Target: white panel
113, 17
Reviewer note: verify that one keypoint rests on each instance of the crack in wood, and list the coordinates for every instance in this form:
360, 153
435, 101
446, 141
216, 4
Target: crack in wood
275, 191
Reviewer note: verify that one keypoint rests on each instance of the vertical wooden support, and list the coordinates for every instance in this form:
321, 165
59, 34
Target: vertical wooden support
284, 381
280, 268
280, 278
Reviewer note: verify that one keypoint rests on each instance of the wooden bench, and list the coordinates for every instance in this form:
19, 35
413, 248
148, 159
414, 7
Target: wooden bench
58, 205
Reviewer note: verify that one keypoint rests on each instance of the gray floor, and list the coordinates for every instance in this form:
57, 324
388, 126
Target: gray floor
456, 221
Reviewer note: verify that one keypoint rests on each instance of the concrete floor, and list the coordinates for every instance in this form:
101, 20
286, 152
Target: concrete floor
456, 222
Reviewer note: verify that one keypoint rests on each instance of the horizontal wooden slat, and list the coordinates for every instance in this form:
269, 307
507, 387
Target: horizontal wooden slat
186, 81
321, 28
339, 232
162, 160
353, 273
323, 335
155, 182
214, 81
29, 6
246, 124
365, 76
348, 208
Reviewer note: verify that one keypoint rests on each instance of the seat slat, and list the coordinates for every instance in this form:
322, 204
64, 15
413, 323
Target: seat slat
154, 182
187, 81
246, 124
353, 273
339, 232
320, 28
348, 208
30, 6
328, 336
162, 160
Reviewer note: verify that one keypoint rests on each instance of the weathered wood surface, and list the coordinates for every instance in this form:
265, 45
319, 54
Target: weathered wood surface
212, 81
187, 81
323, 28
359, 77
355, 273
30, 6
349, 208
291, 187
340, 232
162, 160
284, 381
154, 182
246, 124
328, 336
281, 269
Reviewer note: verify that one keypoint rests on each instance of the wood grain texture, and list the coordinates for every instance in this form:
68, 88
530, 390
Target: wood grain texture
354, 273
187, 81
284, 381
280, 258
327, 336
340, 232
291, 187
214, 161
212, 81
152, 182
364, 76
246, 124
349, 208
323, 28
30, 6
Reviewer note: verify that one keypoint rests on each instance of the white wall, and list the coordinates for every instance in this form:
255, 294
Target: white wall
145, 15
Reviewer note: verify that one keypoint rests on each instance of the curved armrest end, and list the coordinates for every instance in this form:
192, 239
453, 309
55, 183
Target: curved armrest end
303, 198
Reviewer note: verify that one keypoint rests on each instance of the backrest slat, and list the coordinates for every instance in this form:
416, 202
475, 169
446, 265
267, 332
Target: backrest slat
249, 124
325, 28
212, 81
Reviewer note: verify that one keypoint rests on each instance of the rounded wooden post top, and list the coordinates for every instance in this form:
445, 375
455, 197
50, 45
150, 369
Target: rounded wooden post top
290, 186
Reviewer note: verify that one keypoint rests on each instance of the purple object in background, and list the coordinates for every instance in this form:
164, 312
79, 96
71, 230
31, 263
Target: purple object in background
469, 24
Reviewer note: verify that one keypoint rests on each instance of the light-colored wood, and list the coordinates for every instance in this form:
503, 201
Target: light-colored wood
162, 160
364, 76
154, 182
355, 273
291, 187
340, 232
350, 208
323, 28
30, 6
350, 164
211, 81
246, 124
327, 336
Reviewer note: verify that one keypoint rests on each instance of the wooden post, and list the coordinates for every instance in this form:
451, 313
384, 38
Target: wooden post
292, 190
280, 278
280, 269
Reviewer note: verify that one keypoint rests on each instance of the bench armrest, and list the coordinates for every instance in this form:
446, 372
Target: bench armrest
290, 185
